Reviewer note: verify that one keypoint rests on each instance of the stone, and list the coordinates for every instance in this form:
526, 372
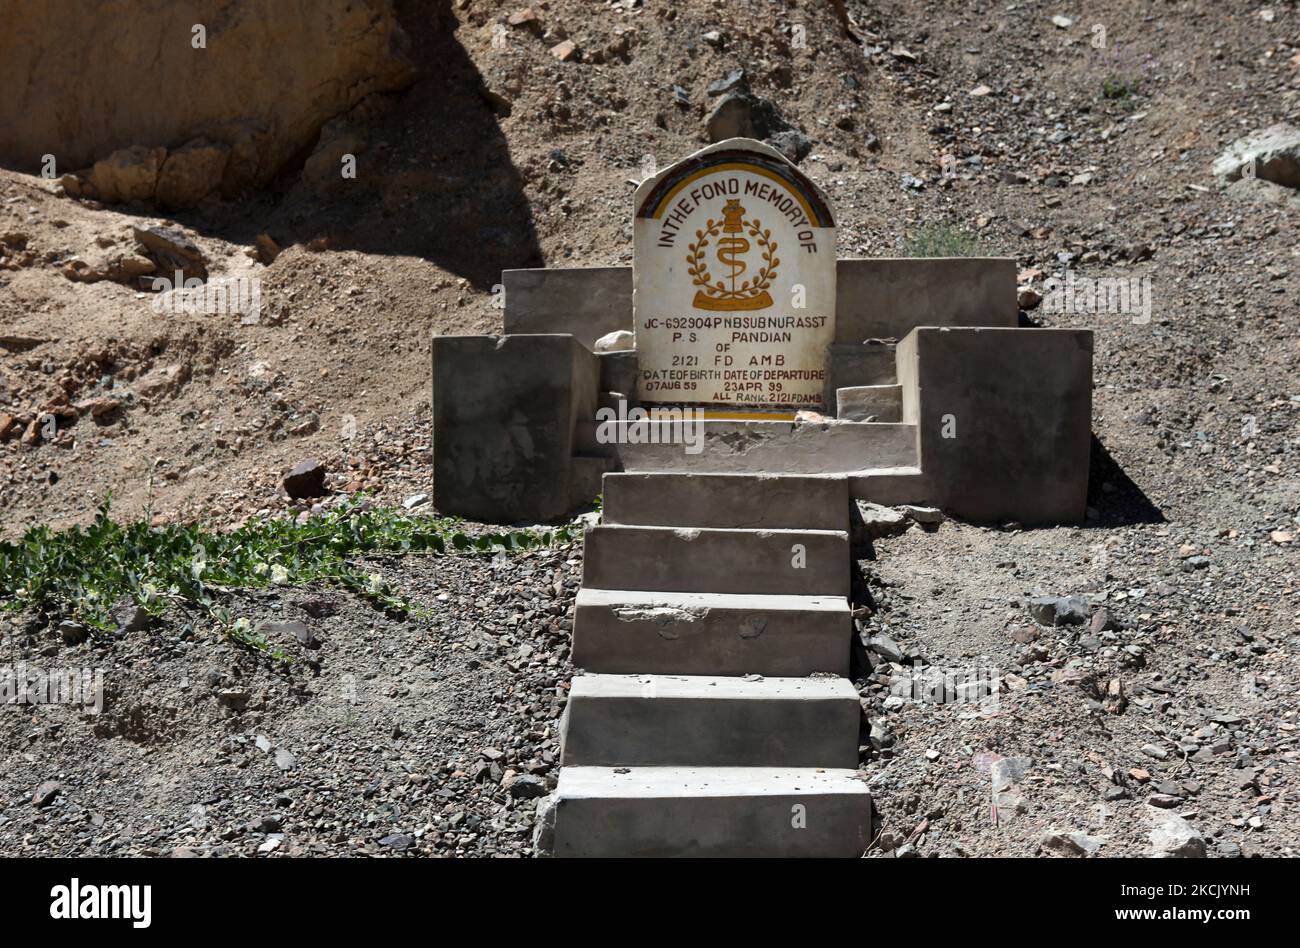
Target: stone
928, 516
127, 175
527, 787
284, 759
46, 793
1172, 837
191, 173
617, 341
236, 699
1058, 610
266, 248
305, 480
398, 841
565, 50
880, 521
132, 618
172, 251
886, 648
741, 114
734, 81
73, 633
1070, 844
1271, 154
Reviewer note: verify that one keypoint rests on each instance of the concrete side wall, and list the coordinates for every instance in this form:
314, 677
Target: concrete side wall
505, 409
1019, 404
876, 298
586, 302
882, 297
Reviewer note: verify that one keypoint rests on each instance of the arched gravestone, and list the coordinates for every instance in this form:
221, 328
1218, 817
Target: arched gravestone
734, 282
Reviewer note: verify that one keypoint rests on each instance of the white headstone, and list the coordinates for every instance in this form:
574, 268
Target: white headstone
734, 281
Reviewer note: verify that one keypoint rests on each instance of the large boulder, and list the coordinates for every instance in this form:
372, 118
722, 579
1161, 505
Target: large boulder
1273, 154
159, 115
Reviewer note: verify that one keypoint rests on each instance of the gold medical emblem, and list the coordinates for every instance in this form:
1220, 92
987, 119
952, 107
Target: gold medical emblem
729, 292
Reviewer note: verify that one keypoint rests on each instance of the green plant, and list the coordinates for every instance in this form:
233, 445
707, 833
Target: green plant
940, 240
80, 573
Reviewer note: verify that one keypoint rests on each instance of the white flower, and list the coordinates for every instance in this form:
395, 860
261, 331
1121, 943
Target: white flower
279, 575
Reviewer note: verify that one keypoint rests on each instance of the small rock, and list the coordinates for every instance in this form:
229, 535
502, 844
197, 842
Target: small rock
398, 841
285, 759
1071, 844
565, 50
923, 515
74, 633
1172, 837
1059, 610
1156, 751
234, 698
881, 521
46, 793
1164, 800
527, 787
1271, 154
618, 341
886, 648
734, 82
306, 480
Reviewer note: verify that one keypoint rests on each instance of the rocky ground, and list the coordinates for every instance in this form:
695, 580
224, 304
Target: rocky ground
1006, 121
427, 736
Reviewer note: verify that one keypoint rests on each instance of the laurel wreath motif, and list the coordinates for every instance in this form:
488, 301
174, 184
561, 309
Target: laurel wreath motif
698, 268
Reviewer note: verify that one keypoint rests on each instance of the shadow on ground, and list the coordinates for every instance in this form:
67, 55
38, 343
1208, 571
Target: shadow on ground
1114, 495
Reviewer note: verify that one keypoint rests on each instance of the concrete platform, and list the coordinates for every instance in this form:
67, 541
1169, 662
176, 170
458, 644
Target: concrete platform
705, 721
680, 811
726, 500
664, 633
673, 559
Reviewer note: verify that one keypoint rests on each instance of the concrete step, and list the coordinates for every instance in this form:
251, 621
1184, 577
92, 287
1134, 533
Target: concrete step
726, 500
878, 403
898, 485
705, 721
673, 559
717, 446
871, 363
667, 633
707, 811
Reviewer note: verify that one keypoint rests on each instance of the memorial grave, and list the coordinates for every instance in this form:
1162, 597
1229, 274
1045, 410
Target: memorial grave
768, 385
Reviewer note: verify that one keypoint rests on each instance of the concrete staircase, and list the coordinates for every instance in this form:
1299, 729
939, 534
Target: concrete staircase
714, 718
